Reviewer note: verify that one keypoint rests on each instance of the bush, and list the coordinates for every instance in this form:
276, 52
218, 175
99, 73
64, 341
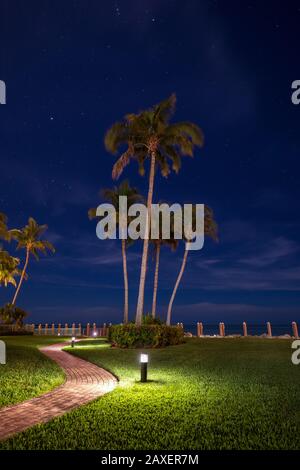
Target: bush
5, 330
11, 314
149, 320
145, 336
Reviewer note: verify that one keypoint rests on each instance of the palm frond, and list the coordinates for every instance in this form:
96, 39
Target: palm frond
92, 213
187, 129
120, 164
164, 110
115, 136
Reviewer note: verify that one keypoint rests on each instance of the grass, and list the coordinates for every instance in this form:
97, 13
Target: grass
205, 394
28, 373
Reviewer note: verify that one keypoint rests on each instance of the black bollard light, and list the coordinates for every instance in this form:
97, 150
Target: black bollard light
73, 341
144, 367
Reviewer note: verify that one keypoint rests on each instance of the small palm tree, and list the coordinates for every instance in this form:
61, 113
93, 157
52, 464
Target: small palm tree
210, 230
112, 196
29, 239
8, 269
150, 135
4, 233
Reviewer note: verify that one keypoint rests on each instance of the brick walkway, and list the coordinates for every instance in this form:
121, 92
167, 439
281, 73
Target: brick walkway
84, 382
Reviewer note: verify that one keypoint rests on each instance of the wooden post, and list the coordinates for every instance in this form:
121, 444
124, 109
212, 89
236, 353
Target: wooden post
221, 329
199, 329
104, 329
40, 329
33, 327
245, 330
53, 329
269, 329
79, 329
295, 330
73, 329
88, 333
46, 329
59, 329
66, 329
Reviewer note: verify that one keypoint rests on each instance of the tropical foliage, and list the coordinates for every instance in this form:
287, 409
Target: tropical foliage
11, 314
8, 269
112, 196
29, 239
150, 135
210, 230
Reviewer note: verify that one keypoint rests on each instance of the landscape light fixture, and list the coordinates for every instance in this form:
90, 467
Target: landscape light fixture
95, 333
73, 341
144, 367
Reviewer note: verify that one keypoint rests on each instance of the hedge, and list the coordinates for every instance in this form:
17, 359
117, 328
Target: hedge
149, 336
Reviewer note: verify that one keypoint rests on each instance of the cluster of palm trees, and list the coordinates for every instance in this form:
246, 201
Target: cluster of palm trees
29, 239
150, 135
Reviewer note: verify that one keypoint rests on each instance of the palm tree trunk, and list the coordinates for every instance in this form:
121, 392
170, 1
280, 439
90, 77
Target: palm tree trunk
176, 286
125, 281
140, 303
21, 278
155, 280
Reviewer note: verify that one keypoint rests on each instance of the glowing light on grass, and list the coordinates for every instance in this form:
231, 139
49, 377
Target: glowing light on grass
144, 359
144, 367
73, 341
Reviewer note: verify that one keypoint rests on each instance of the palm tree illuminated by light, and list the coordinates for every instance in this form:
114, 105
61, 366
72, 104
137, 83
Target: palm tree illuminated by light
150, 135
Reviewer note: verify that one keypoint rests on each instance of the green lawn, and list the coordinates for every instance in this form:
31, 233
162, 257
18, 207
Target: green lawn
28, 373
205, 394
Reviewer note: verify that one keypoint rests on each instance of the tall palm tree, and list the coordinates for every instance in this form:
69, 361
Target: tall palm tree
112, 196
172, 243
157, 244
150, 135
210, 230
29, 239
8, 269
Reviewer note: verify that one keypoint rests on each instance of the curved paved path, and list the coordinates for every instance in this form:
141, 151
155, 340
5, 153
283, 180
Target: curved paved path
84, 382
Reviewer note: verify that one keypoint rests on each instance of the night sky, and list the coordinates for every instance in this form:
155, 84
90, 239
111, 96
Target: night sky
72, 68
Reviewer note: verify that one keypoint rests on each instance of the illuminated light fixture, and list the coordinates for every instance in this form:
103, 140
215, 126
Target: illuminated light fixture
95, 333
58, 334
144, 367
73, 341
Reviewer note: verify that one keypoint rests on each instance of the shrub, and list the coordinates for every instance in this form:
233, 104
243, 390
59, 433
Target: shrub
6, 331
145, 336
11, 314
149, 320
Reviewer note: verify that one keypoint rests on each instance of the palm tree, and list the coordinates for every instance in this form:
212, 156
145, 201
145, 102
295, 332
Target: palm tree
112, 196
157, 243
149, 135
29, 239
211, 230
4, 233
8, 269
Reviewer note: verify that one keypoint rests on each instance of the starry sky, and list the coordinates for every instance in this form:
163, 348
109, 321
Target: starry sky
72, 68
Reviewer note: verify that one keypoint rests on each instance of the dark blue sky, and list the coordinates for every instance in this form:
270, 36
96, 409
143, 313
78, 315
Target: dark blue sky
74, 67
